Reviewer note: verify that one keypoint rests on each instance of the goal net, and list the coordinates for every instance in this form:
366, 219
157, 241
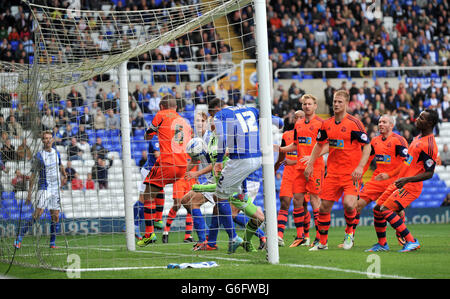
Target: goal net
69, 84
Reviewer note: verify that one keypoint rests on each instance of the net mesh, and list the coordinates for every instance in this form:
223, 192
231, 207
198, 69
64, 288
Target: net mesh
69, 85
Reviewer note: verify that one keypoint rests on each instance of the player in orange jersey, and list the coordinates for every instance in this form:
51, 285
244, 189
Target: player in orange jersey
349, 151
389, 151
287, 181
184, 185
419, 166
173, 135
305, 135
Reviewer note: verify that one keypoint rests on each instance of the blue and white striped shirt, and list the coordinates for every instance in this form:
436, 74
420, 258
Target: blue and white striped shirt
48, 164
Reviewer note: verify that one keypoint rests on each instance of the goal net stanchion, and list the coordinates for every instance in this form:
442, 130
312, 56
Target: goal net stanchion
264, 85
127, 161
94, 221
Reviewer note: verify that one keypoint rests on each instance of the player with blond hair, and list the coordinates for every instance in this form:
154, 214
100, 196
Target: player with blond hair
349, 151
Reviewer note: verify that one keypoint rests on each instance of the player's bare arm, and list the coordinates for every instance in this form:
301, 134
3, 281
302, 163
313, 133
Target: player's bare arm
30, 189
414, 179
314, 155
195, 174
325, 150
359, 170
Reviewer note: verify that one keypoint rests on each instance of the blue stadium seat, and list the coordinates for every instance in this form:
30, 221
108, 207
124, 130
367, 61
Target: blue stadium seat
159, 68
115, 140
183, 67
427, 184
433, 190
337, 206
74, 127
14, 215
148, 117
440, 185
307, 76
92, 139
418, 204
137, 159
8, 195
114, 133
139, 132
435, 177
9, 203
433, 203
341, 75
117, 147
189, 108
425, 197
3, 214
14, 44
100, 133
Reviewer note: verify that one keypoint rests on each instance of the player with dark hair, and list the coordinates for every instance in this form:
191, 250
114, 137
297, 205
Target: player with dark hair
419, 166
389, 150
173, 134
349, 150
287, 181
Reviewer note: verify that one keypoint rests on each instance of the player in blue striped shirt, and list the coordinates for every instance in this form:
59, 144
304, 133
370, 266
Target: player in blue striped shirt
50, 171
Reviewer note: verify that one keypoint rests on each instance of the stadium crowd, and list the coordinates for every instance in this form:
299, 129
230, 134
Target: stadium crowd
17, 39
344, 33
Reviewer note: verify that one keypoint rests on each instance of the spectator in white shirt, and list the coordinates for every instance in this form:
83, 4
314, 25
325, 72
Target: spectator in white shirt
153, 103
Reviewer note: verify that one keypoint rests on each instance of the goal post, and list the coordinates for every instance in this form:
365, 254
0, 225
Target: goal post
126, 156
264, 86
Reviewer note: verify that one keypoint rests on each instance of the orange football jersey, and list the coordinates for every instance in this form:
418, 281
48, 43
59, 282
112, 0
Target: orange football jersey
389, 153
287, 139
345, 139
305, 137
422, 155
173, 135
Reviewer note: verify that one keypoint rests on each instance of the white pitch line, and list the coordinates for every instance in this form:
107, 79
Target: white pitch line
235, 260
109, 269
343, 270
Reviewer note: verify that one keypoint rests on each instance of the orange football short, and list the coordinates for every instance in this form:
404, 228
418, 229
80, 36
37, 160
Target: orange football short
162, 175
287, 182
372, 190
182, 187
396, 199
334, 186
313, 185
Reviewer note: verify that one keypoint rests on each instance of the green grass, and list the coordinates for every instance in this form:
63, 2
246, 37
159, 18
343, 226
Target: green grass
109, 251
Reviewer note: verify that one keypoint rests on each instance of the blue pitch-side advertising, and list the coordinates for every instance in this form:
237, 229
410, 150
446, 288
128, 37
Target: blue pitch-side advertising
91, 226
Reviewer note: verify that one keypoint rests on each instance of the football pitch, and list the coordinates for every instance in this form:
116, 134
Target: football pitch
106, 257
